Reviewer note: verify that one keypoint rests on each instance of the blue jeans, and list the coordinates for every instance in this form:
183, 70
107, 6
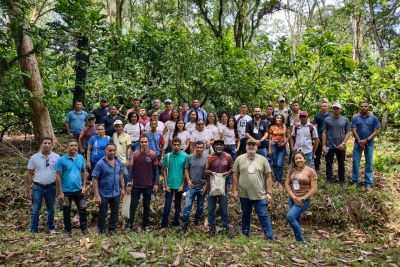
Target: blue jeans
49, 195
229, 149
191, 194
309, 159
167, 206
294, 215
260, 207
126, 175
223, 206
278, 157
369, 153
262, 152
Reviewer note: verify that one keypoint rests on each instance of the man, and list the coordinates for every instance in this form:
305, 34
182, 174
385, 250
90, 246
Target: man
269, 115
160, 125
41, 170
87, 133
108, 186
166, 114
335, 134
71, 186
174, 173
295, 114
185, 108
218, 164
122, 142
76, 120
304, 138
101, 111
365, 127
203, 135
242, 118
282, 110
144, 181
252, 182
318, 122
201, 113
135, 107
156, 107
156, 140
143, 118
257, 130
196, 180
109, 120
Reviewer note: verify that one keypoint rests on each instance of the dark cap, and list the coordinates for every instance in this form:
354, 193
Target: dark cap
251, 141
303, 113
91, 116
219, 141
104, 100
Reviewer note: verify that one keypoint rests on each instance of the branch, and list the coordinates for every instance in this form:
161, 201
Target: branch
204, 12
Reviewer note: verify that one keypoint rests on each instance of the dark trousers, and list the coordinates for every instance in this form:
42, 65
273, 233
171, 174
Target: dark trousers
136, 192
318, 154
242, 147
80, 203
340, 156
113, 202
167, 206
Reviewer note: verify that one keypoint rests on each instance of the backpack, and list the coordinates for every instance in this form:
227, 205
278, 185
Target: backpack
310, 127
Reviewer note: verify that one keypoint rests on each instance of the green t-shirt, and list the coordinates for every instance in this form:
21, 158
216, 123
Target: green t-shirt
176, 168
251, 176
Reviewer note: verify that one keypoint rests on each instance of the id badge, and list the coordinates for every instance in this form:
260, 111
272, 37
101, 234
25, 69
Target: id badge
250, 169
296, 185
255, 130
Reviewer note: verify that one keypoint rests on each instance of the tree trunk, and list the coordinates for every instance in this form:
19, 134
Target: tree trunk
81, 65
28, 63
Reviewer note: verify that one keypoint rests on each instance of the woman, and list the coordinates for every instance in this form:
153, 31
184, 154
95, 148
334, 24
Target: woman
97, 148
135, 130
169, 129
223, 122
230, 135
87, 133
191, 125
301, 185
182, 134
211, 124
278, 137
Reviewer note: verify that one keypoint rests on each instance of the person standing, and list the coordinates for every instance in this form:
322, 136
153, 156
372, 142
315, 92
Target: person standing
174, 173
190, 126
166, 114
182, 134
295, 114
196, 180
201, 113
41, 184
169, 129
156, 140
278, 138
122, 142
336, 133
203, 135
365, 127
160, 125
269, 115
144, 182
109, 120
318, 122
134, 129
87, 132
283, 110
135, 108
143, 118
76, 120
108, 186
304, 138
257, 130
219, 166
156, 107
101, 111
71, 186
242, 118
301, 185
212, 124
252, 182
96, 148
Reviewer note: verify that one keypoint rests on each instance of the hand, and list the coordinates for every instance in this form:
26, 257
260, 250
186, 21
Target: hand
82, 151
269, 152
268, 198
70, 135
128, 190
155, 188
28, 193
258, 142
363, 142
299, 201
341, 147
83, 190
122, 192
190, 184
208, 172
324, 149
167, 188
203, 190
235, 151
180, 188
61, 198
89, 166
97, 199
235, 195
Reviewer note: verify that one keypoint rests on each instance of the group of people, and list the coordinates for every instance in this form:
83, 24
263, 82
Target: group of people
197, 154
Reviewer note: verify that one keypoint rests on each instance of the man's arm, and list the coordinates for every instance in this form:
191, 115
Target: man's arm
268, 185
97, 198
59, 190
28, 183
84, 178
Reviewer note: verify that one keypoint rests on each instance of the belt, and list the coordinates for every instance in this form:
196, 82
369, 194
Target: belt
44, 185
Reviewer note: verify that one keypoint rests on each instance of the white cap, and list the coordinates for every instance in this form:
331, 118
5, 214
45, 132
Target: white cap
337, 105
118, 122
168, 101
282, 99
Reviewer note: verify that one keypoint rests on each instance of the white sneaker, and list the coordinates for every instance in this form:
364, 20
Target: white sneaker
53, 232
184, 194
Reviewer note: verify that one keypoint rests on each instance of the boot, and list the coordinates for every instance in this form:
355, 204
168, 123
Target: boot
211, 231
185, 226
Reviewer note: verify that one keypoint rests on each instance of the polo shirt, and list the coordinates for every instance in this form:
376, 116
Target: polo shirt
319, 120
365, 125
336, 130
122, 142
71, 172
76, 121
257, 130
108, 177
43, 168
176, 168
304, 137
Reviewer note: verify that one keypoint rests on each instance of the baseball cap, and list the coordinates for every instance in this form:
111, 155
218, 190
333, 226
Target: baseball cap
168, 101
218, 141
103, 100
303, 113
282, 99
118, 122
337, 105
91, 116
251, 141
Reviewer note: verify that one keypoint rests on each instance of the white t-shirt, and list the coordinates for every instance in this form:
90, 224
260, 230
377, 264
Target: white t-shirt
241, 125
228, 136
160, 127
214, 129
43, 169
204, 136
220, 127
190, 127
133, 130
184, 136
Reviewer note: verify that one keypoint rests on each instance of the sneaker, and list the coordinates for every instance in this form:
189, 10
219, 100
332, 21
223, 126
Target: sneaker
246, 234
211, 231
52, 231
184, 194
85, 232
146, 229
185, 226
175, 223
368, 187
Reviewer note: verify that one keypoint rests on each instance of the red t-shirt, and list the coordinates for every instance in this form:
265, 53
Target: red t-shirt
143, 164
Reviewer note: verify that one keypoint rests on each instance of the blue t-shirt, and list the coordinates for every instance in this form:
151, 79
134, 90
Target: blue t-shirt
108, 177
76, 121
319, 120
99, 145
154, 141
365, 125
71, 172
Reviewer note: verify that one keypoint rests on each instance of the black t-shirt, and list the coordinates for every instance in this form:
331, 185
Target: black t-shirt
257, 130
319, 120
100, 113
108, 122
271, 120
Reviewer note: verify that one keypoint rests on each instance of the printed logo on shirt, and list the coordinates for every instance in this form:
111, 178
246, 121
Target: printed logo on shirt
148, 159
